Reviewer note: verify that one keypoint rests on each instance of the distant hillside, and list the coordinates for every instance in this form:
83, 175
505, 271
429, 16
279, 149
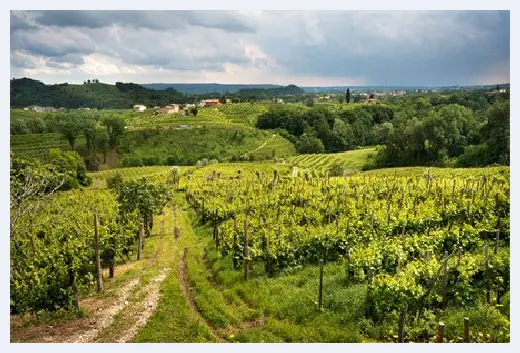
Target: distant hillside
26, 92
259, 93
204, 88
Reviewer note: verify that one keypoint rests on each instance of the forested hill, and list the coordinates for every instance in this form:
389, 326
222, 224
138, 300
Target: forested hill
26, 91
93, 94
204, 88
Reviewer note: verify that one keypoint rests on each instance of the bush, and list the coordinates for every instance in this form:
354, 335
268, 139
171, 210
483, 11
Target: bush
203, 162
114, 181
72, 165
337, 169
171, 160
150, 160
473, 156
132, 162
308, 144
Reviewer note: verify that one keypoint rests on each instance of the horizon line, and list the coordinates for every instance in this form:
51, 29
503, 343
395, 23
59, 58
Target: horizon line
284, 85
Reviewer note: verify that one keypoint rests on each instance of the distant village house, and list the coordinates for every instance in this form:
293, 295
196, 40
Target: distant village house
210, 103
168, 109
139, 108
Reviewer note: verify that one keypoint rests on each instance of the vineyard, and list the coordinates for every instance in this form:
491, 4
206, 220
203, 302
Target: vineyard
227, 114
57, 248
350, 160
38, 145
422, 245
243, 112
277, 254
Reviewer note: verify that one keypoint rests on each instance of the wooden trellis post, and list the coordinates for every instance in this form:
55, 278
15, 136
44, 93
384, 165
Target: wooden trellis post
140, 243
445, 278
246, 251
486, 274
402, 320
98, 259
235, 230
466, 330
320, 293
440, 332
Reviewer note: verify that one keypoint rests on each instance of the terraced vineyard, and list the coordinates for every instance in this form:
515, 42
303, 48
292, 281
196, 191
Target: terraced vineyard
152, 174
351, 160
243, 112
38, 145
205, 117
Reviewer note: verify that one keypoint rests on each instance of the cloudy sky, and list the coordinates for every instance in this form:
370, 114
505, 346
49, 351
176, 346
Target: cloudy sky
307, 48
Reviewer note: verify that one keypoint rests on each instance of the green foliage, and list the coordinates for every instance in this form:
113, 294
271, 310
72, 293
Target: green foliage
53, 248
115, 127
71, 165
187, 146
145, 199
25, 92
309, 144
70, 127
399, 240
113, 181
336, 169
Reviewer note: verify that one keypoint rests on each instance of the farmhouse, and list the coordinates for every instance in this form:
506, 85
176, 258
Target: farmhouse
210, 103
168, 109
139, 108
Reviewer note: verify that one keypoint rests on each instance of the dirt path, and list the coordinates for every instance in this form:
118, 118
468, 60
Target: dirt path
186, 291
106, 317
147, 306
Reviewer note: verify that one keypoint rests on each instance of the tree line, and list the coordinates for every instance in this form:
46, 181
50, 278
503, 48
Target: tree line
460, 129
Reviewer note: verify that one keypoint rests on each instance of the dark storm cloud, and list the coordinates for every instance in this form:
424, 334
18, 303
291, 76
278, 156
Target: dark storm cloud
20, 22
160, 20
376, 47
432, 48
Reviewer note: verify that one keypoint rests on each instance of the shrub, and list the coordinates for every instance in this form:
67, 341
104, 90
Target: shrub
336, 169
308, 144
114, 181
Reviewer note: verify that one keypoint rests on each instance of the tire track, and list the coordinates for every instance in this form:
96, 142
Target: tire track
186, 291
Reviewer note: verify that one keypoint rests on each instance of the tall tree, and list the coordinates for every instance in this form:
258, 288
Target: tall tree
115, 128
70, 128
347, 96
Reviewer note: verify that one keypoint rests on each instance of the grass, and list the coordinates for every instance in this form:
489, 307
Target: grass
287, 302
274, 146
174, 320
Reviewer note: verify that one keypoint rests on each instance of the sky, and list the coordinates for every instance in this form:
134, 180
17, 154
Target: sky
306, 48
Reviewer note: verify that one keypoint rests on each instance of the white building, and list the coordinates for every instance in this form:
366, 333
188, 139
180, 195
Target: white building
139, 108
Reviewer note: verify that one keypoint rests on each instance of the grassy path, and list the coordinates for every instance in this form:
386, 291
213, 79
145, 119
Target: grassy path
262, 145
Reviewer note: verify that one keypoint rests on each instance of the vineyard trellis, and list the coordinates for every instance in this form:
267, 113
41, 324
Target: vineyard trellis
419, 242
